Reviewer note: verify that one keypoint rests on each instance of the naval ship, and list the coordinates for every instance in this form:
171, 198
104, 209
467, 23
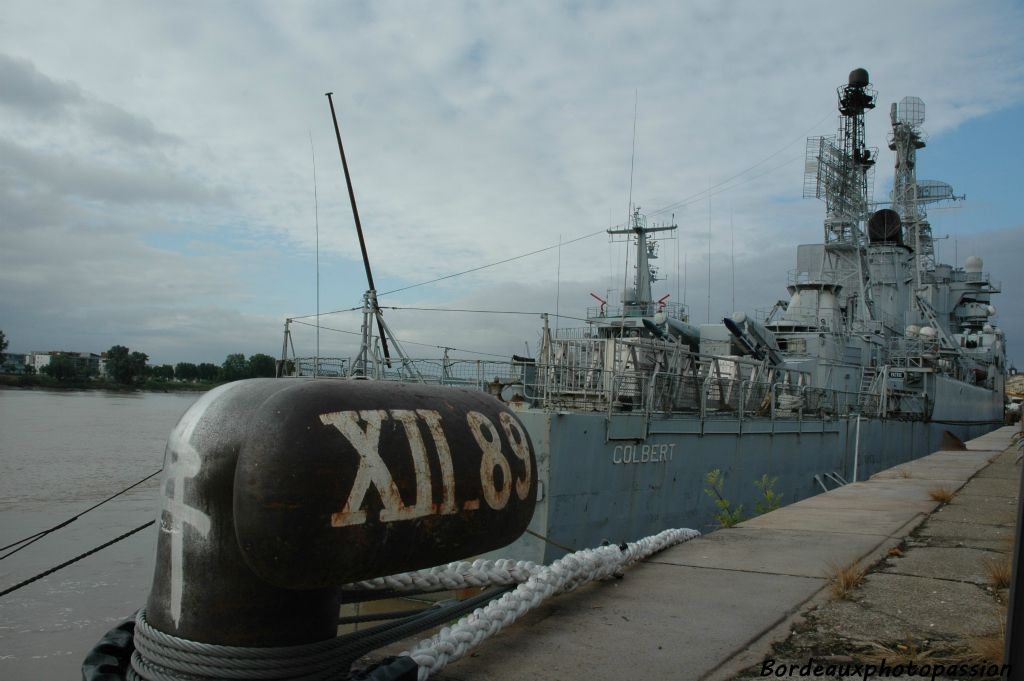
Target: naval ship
879, 353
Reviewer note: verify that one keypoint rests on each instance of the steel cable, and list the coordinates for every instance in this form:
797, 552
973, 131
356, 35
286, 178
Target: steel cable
75, 559
39, 535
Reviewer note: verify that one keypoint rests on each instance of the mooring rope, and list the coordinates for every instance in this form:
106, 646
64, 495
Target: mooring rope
458, 575
159, 656
32, 538
565, 574
75, 559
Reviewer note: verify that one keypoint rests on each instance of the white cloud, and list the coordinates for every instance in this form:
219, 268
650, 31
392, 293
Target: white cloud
473, 132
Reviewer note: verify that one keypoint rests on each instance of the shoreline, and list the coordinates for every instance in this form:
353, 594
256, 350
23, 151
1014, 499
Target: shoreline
26, 382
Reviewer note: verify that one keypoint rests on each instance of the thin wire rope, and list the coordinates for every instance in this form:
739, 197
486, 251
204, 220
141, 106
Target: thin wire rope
683, 202
458, 309
406, 342
75, 559
493, 264
709, 250
700, 195
316, 222
39, 535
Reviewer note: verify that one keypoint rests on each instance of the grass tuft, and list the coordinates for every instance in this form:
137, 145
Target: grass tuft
943, 495
843, 579
989, 648
998, 571
895, 552
904, 473
904, 652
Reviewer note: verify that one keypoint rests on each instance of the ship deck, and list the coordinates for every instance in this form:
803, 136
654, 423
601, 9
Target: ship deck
712, 607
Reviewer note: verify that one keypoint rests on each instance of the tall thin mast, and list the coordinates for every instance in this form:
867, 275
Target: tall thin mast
359, 231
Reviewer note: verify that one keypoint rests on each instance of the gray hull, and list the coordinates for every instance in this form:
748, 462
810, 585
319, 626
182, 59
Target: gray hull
626, 477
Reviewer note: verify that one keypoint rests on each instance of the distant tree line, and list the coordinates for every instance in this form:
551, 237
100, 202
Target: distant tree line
127, 367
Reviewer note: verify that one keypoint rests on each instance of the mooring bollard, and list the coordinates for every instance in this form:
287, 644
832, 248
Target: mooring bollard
275, 493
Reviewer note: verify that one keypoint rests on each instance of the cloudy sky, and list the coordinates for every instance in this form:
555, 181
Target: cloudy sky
157, 159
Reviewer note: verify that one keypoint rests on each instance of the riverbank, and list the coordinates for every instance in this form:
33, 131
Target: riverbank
36, 381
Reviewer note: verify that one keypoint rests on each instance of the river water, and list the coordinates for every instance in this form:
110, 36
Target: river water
60, 453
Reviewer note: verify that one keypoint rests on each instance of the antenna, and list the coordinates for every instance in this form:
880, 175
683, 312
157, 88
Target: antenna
632, 159
372, 297
316, 221
709, 250
732, 257
558, 285
678, 293
838, 169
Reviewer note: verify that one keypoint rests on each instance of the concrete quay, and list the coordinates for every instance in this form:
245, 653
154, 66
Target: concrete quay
713, 607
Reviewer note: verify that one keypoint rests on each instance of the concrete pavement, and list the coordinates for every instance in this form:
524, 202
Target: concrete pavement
713, 606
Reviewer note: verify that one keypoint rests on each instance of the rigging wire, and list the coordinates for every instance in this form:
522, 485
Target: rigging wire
316, 219
444, 309
76, 558
408, 342
683, 202
700, 195
459, 274
307, 316
31, 539
459, 309
500, 262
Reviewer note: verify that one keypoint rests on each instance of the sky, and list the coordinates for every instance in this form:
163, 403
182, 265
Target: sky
168, 169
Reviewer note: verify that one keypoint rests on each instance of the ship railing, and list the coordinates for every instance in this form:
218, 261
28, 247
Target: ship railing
959, 275
320, 366
580, 385
912, 352
825, 276
575, 333
612, 312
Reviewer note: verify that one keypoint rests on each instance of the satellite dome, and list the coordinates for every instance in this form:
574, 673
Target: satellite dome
988, 328
927, 332
912, 330
859, 78
973, 264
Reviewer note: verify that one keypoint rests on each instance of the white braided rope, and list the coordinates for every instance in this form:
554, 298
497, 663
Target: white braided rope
458, 575
565, 574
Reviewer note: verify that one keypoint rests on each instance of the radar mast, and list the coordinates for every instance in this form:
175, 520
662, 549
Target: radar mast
908, 195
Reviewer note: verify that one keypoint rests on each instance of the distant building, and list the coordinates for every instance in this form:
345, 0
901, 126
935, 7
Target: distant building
14, 363
87, 363
38, 360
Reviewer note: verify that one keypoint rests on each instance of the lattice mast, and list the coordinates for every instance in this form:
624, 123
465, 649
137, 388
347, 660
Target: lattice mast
839, 167
908, 195
838, 171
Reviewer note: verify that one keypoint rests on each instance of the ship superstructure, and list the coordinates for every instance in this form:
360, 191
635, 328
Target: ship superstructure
879, 350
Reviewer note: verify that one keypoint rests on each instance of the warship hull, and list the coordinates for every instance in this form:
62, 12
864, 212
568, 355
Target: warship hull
625, 476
